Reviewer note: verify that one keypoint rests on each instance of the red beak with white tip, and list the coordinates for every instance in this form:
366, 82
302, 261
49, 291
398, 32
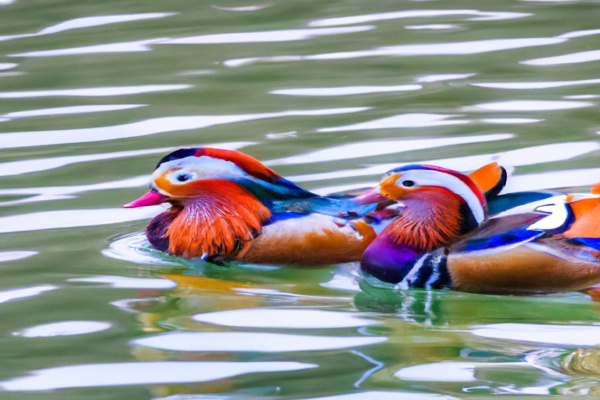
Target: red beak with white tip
369, 197
152, 198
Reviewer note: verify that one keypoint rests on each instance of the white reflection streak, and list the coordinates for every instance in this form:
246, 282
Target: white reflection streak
529, 105
441, 77
431, 27
45, 164
64, 328
345, 91
359, 19
65, 192
251, 341
122, 47
564, 335
16, 255
385, 395
123, 282
72, 218
142, 373
452, 48
284, 318
17, 294
515, 158
576, 34
366, 149
432, 49
93, 92
417, 120
535, 85
88, 22
451, 371
146, 127
70, 110
287, 35
4, 66
573, 58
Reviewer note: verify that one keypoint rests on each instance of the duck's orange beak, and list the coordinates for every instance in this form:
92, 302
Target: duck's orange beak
369, 197
152, 198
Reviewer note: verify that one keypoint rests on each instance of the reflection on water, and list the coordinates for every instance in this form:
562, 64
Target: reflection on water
66, 328
575, 335
144, 128
255, 342
329, 96
283, 318
93, 92
142, 373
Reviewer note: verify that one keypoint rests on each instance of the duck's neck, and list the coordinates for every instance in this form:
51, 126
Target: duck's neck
218, 222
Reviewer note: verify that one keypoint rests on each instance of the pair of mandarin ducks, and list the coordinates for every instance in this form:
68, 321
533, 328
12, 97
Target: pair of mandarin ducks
421, 226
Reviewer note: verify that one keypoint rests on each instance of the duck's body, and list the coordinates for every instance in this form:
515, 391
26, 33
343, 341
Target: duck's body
546, 249
227, 206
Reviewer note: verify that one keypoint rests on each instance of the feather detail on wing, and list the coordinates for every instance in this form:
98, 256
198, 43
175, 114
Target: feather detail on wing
587, 219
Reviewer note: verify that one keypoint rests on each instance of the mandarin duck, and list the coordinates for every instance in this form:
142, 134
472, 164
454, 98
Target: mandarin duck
227, 206
442, 236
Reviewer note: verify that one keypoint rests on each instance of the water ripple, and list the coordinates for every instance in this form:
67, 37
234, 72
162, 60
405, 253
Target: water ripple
70, 110
576, 34
142, 373
359, 19
146, 127
284, 318
64, 328
345, 91
45, 164
429, 49
120, 47
573, 58
123, 282
93, 92
16, 255
382, 395
286, 35
251, 341
529, 105
22, 293
44, 220
565, 335
88, 22
4, 66
535, 85
367, 149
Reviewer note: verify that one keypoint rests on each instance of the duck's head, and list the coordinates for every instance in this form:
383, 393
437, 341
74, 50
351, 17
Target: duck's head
190, 172
427, 183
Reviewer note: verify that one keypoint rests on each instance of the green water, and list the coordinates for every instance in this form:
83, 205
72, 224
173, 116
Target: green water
93, 93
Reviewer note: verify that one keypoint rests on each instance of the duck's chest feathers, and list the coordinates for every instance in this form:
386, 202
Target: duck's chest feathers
216, 223
428, 221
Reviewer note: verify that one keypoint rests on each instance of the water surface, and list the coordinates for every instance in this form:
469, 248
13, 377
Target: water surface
331, 95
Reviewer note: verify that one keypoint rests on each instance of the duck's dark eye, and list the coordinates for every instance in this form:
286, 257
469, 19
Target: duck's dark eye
408, 183
184, 177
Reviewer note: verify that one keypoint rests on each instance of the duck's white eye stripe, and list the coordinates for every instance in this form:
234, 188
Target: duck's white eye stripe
204, 168
425, 177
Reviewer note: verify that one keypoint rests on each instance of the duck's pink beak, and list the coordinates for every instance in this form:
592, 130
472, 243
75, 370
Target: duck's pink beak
151, 198
370, 196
